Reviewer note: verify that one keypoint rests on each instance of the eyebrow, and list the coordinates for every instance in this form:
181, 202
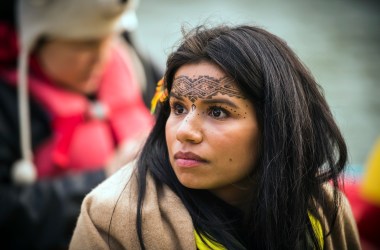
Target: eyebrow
172, 94
208, 101
220, 101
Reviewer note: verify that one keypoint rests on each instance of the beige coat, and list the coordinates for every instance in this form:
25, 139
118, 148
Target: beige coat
108, 219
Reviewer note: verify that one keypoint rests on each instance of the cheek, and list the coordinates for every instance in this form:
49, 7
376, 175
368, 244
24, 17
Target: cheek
170, 137
239, 148
79, 60
169, 134
240, 160
236, 150
61, 63
251, 152
79, 66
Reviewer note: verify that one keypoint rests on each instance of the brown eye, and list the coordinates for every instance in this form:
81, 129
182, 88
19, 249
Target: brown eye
178, 109
218, 112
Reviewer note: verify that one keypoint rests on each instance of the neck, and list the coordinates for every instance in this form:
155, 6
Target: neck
238, 195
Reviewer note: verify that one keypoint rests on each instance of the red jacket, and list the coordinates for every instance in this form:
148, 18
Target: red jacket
80, 140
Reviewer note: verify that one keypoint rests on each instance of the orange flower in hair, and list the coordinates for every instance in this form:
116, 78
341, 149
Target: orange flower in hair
160, 95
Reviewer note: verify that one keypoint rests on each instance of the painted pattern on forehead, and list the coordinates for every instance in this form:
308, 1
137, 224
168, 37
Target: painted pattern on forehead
204, 87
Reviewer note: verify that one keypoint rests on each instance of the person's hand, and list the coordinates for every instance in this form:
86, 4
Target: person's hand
126, 152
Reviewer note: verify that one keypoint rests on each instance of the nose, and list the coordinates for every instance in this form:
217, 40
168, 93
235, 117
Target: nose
190, 129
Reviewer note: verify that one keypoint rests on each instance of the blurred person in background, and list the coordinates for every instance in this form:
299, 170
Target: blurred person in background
71, 112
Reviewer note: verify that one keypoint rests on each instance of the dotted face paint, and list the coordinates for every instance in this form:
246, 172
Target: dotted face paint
193, 107
211, 117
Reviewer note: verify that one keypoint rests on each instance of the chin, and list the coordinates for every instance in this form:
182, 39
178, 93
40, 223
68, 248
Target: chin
87, 88
191, 184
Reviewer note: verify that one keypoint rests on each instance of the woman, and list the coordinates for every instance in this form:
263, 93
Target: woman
240, 157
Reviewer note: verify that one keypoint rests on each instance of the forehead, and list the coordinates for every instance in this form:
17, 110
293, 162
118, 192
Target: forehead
201, 68
203, 80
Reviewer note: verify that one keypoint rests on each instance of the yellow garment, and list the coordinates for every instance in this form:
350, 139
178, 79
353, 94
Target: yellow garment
317, 227
370, 188
316, 224
210, 243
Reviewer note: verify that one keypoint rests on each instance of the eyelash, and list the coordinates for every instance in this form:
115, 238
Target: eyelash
212, 108
174, 109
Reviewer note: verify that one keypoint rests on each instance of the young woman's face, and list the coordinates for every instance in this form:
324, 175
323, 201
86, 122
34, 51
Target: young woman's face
212, 132
74, 64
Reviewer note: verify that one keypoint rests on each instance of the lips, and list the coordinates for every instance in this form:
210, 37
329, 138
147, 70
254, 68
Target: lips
188, 159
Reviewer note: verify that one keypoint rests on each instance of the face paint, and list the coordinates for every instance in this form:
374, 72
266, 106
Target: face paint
204, 87
210, 145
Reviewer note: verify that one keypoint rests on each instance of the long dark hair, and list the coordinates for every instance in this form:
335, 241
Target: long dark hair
301, 147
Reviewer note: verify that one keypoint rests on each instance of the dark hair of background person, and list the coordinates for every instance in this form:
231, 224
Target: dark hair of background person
300, 148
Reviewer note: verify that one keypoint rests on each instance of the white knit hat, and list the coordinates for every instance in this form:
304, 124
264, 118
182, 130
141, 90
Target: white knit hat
69, 19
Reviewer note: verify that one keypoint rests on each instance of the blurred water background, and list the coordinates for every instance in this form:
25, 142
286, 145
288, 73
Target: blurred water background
339, 40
